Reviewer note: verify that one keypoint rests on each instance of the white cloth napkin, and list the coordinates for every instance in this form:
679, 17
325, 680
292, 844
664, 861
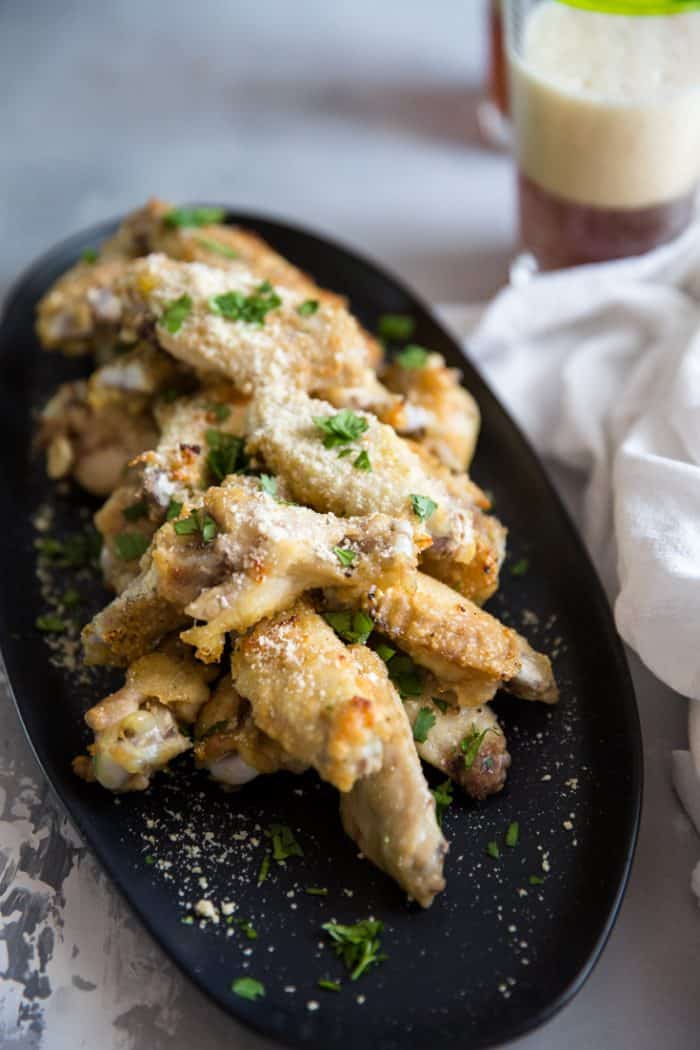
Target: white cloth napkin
601, 367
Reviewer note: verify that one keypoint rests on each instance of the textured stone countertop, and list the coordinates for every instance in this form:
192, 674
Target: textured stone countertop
358, 120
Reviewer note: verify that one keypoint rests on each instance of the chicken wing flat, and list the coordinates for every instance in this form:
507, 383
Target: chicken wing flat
244, 556
439, 412
350, 464
391, 813
310, 695
453, 637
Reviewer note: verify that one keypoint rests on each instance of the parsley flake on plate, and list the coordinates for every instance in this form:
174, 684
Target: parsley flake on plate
493, 850
268, 484
89, 256
441, 704
225, 455
412, 356
131, 545
342, 428
352, 627
408, 678
182, 217
345, 556
284, 844
308, 308
50, 623
362, 462
443, 798
329, 986
175, 313
205, 526
220, 411
385, 652
513, 834
359, 946
252, 309
395, 328
520, 567
217, 247
264, 870
135, 511
248, 988
423, 724
471, 745
423, 506
316, 891
174, 509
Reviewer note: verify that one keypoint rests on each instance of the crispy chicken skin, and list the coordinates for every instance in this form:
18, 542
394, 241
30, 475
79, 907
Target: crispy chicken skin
264, 555
310, 695
92, 445
439, 412
283, 431
391, 814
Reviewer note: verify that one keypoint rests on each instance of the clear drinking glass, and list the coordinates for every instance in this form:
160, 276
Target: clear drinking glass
605, 110
493, 107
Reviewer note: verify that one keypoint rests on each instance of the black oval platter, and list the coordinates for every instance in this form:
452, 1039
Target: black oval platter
499, 952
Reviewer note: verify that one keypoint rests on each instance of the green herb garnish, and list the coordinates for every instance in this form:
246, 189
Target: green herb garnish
493, 850
342, 428
385, 652
174, 510
225, 453
471, 745
424, 722
395, 328
535, 880
329, 986
175, 312
316, 891
70, 599
307, 308
50, 623
206, 526
423, 506
248, 988
131, 545
247, 928
362, 462
135, 511
358, 945
353, 627
441, 704
187, 920
264, 869
406, 676
217, 247
512, 834
252, 309
150, 859
194, 217
268, 484
520, 567
77, 550
284, 844
412, 357
218, 410
88, 255
345, 556
443, 798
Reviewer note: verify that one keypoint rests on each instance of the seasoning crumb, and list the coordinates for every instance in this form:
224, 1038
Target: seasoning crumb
207, 910
312, 1005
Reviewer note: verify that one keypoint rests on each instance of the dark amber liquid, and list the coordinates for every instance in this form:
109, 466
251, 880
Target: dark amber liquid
560, 233
498, 74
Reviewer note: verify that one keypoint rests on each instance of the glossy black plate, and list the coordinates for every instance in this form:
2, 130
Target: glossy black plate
499, 952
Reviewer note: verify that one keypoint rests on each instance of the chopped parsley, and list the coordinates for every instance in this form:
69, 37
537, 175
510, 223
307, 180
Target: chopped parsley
308, 308
412, 357
423, 506
284, 844
362, 462
443, 798
493, 850
513, 834
50, 623
88, 255
344, 452
395, 328
248, 988
217, 247
342, 428
345, 556
174, 509
316, 891
131, 545
441, 704
268, 484
220, 411
247, 928
252, 309
180, 217
150, 859
535, 880
187, 920
423, 724
206, 526
71, 598
358, 945
135, 511
226, 453
77, 550
471, 745
175, 312
352, 627
406, 676
385, 652
264, 869
329, 986
520, 567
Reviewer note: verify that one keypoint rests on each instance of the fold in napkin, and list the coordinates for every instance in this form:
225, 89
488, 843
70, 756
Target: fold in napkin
601, 367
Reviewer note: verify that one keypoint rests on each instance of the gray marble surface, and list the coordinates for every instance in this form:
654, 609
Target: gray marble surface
359, 120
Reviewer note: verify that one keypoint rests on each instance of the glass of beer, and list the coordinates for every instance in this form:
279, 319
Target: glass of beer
605, 109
